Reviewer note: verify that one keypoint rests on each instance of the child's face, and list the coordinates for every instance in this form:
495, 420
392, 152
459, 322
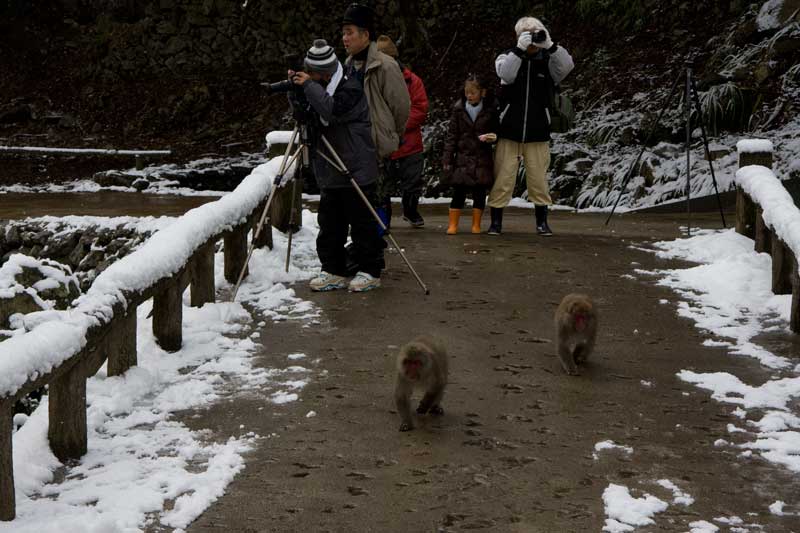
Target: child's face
473, 93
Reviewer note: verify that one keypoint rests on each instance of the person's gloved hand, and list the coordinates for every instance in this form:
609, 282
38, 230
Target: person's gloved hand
547, 43
524, 40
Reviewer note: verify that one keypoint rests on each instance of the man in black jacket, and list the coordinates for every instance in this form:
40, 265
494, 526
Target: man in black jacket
528, 75
343, 113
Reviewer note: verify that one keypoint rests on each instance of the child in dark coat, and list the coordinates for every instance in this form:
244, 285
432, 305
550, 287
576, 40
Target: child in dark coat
468, 164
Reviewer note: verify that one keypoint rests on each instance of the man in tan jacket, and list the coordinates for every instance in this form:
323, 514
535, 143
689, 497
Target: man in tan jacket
387, 94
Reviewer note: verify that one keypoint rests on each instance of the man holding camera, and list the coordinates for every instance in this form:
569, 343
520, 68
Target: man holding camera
528, 75
343, 112
389, 101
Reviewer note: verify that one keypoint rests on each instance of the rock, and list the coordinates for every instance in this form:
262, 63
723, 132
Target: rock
13, 237
91, 260
16, 114
21, 302
140, 184
113, 178
61, 247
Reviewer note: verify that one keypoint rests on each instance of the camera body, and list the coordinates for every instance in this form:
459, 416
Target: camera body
539, 36
302, 111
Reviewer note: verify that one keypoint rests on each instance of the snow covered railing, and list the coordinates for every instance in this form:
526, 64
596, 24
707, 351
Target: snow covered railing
64, 348
766, 212
137, 154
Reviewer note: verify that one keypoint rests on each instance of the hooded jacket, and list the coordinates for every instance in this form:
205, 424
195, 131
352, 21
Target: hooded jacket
412, 137
389, 103
470, 158
527, 84
345, 123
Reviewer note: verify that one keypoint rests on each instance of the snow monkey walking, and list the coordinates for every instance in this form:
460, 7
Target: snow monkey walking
422, 364
576, 330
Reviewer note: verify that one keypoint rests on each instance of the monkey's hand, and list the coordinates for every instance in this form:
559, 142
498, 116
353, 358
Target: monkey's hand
406, 427
436, 410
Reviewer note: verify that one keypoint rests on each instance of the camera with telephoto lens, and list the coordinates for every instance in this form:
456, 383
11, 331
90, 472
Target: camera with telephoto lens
538, 36
301, 108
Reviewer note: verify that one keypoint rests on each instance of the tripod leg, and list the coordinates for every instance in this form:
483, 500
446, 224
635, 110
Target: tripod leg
635, 163
292, 215
688, 106
340, 166
275, 184
699, 111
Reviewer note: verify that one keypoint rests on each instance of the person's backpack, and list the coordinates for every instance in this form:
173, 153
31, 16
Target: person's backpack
562, 114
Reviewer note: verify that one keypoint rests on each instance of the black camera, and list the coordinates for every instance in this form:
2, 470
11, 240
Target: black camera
293, 62
538, 36
301, 109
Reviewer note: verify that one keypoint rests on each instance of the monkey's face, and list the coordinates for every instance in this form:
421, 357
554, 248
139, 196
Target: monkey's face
580, 311
413, 367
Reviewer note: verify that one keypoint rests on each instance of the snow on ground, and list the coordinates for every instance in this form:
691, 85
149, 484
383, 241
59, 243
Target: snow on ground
728, 295
609, 445
626, 512
144, 467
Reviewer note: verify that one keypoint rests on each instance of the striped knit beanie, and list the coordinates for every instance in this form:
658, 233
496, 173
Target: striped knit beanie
321, 58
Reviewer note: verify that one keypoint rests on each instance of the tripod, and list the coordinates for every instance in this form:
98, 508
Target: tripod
302, 149
690, 96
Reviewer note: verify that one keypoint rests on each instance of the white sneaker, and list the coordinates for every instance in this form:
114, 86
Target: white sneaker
363, 282
327, 282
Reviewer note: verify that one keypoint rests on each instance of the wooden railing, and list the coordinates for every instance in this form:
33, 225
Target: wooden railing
102, 327
776, 233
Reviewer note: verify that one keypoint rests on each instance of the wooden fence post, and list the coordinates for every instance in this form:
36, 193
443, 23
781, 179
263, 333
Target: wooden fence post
746, 218
168, 317
783, 264
7, 501
236, 252
67, 408
745, 214
763, 239
203, 289
121, 344
265, 237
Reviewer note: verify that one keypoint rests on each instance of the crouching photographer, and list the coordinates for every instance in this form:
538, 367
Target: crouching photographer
343, 113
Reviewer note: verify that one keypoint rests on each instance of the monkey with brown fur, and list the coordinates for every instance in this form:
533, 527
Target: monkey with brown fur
576, 330
422, 364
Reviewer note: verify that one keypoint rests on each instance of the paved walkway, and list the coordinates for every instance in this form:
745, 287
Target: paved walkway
514, 449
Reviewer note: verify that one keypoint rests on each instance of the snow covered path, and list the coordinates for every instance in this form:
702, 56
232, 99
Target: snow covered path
284, 405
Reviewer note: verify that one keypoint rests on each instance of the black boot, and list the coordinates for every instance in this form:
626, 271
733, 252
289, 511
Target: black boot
496, 227
542, 227
411, 210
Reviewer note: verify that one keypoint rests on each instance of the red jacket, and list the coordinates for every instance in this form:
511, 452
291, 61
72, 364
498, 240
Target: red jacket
412, 138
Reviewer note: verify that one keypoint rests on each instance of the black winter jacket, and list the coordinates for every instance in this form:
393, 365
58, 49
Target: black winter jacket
524, 102
471, 160
348, 131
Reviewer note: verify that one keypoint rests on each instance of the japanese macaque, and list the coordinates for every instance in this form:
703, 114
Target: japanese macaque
421, 364
576, 330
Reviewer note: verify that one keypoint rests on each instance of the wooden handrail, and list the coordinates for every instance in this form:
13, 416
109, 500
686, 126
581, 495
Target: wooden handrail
754, 220
102, 326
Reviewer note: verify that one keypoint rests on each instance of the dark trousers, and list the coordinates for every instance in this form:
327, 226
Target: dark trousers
405, 174
460, 194
341, 210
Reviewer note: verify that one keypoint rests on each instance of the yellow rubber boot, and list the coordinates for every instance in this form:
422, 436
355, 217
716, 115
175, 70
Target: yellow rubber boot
452, 227
476, 220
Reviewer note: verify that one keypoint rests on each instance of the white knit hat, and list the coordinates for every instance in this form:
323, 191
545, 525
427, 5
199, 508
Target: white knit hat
321, 58
528, 24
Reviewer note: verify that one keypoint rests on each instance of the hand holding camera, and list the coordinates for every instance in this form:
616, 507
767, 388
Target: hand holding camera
524, 41
541, 39
298, 77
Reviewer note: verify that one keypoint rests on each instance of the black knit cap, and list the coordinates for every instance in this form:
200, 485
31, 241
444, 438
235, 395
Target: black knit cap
361, 16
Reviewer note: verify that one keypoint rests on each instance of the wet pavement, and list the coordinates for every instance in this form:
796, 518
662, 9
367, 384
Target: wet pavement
100, 203
514, 449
